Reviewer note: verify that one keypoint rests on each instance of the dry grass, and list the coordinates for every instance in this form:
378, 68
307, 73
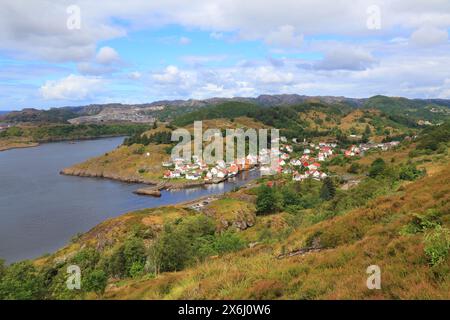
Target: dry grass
352, 242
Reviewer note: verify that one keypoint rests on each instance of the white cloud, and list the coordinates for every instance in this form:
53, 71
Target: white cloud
269, 75
107, 55
199, 60
135, 75
284, 36
171, 75
413, 63
73, 87
185, 40
24, 32
216, 35
428, 36
346, 58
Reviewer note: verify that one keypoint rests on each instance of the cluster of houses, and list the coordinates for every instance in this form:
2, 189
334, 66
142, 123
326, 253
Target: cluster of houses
198, 169
301, 166
305, 166
354, 150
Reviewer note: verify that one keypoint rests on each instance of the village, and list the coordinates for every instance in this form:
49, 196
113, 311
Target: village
306, 164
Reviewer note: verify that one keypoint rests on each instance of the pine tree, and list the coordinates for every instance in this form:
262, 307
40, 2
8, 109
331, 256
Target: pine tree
328, 190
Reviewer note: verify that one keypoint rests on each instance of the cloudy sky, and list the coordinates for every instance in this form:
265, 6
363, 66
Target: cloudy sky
58, 53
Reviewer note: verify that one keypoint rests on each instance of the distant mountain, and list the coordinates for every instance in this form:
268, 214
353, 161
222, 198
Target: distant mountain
427, 109
4, 112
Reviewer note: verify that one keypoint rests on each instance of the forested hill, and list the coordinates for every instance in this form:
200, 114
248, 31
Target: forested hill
415, 109
380, 115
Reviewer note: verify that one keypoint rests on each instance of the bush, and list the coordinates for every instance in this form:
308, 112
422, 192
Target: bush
268, 200
409, 172
377, 168
139, 150
121, 261
94, 281
137, 269
21, 281
437, 245
86, 258
290, 196
181, 243
422, 222
227, 242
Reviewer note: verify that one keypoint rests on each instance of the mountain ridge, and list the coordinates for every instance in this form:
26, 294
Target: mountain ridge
169, 108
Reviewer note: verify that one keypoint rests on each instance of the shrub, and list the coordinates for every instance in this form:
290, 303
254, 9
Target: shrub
437, 245
409, 172
377, 168
181, 243
420, 223
268, 200
227, 242
122, 259
139, 150
290, 196
21, 281
137, 269
86, 258
95, 281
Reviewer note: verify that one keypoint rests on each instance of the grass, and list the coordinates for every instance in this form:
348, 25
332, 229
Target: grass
352, 242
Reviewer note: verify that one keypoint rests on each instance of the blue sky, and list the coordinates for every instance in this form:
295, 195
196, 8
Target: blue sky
154, 50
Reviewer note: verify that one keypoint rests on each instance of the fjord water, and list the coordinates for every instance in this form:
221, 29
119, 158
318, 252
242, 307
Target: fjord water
40, 210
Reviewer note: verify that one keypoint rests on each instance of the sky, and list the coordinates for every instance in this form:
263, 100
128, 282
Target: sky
78, 52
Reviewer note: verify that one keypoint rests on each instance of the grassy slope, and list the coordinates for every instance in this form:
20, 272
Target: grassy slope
362, 237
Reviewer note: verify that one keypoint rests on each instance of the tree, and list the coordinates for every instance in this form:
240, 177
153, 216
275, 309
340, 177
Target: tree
290, 196
95, 281
86, 258
155, 125
178, 244
328, 190
267, 201
377, 167
116, 263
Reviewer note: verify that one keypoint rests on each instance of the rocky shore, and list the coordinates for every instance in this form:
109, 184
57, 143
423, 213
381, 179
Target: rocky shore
157, 185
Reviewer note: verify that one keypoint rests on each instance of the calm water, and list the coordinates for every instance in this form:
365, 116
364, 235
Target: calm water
40, 210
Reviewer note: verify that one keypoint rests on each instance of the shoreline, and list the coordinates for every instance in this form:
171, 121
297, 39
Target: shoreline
20, 146
154, 186
32, 144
